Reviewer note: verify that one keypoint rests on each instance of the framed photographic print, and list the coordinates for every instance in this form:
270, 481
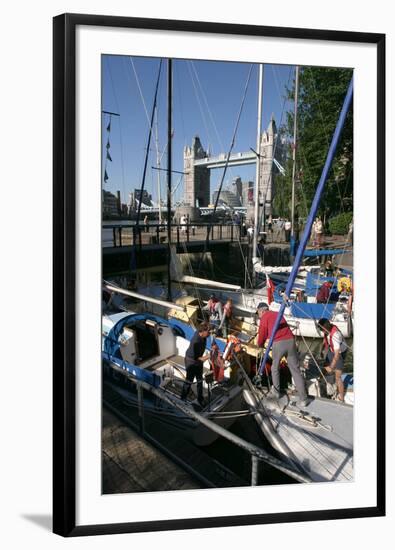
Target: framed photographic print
219, 240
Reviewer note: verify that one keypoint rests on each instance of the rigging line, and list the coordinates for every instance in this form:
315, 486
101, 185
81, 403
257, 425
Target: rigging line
259, 225
177, 185
207, 105
199, 103
150, 123
229, 152
177, 79
120, 129
141, 93
306, 166
148, 144
301, 153
190, 268
312, 356
209, 110
313, 319
282, 114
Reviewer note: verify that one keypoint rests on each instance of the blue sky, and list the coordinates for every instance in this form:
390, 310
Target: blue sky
206, 100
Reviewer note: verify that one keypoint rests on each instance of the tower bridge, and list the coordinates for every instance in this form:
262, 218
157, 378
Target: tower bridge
198, 163
237, 159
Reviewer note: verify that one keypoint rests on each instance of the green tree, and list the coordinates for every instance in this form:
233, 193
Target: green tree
321, 95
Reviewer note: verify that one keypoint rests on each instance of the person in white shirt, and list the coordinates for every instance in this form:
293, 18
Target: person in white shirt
287, 229
319, 231
336, 350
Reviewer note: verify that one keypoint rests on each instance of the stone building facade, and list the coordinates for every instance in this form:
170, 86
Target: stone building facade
196, 178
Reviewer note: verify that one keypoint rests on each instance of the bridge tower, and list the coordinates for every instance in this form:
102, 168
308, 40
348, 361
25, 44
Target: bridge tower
267, 169
196, 178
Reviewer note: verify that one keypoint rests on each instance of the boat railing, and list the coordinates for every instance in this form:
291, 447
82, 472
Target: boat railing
257, 454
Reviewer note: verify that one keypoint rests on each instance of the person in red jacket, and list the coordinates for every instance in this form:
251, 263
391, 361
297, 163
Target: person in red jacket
283, 345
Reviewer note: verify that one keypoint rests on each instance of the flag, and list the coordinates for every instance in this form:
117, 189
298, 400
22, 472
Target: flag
270, 289
109, 127
105, 176
109, 156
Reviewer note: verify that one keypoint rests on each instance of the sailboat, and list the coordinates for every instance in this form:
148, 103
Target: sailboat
317, 437
147, 350
303, 310
143, 351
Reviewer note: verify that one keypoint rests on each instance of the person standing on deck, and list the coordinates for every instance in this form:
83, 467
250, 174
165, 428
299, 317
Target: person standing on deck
194, 359
319, 232
287, 229
336, 351
250, 234
214, 307
324, 292
227, 315
183, 223
283, 345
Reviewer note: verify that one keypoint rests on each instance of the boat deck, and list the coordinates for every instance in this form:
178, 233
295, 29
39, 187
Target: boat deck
319, 435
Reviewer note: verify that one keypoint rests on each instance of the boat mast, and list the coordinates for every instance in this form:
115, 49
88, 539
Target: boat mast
294, 163
169, 148
158, 164
258, 166
311, 216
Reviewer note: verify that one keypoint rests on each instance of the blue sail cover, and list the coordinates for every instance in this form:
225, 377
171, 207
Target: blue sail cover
324, 252
314, 282
303, 310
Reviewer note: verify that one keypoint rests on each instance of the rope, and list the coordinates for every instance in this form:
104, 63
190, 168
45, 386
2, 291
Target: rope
209, 110
191, 65
199, 103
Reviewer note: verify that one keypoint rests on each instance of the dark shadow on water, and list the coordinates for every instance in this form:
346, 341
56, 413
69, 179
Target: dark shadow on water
42, 520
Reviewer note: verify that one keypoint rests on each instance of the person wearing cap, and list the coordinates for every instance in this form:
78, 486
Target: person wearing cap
283, 345
194, 359
335, 348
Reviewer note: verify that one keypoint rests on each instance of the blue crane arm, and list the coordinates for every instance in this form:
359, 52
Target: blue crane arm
312, 214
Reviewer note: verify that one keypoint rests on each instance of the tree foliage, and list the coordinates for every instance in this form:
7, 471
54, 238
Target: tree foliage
321, 94
340, 224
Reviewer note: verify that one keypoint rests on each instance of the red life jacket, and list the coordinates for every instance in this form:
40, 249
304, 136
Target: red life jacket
217, 365
330, 343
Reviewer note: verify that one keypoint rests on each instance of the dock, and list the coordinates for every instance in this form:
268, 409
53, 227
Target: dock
131, 464
157, 460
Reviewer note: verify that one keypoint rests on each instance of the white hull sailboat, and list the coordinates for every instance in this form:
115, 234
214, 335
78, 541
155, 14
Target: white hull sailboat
142, 349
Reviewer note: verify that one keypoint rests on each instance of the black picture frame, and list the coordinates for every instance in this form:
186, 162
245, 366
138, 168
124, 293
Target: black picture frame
64, 271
